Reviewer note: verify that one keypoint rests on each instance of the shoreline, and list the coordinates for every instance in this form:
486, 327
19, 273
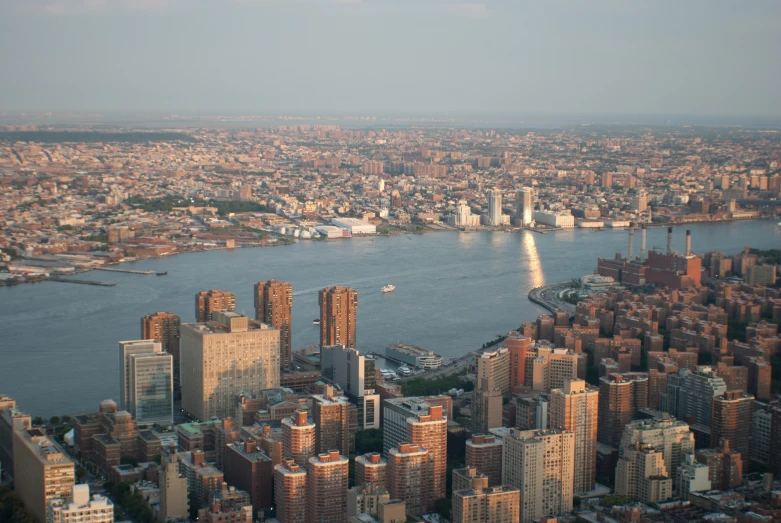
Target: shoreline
293, 241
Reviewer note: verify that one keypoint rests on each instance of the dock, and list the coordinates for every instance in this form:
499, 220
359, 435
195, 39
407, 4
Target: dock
127, 271
85, 282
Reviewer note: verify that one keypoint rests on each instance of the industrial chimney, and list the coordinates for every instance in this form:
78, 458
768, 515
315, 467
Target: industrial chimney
688, 243
642, 242
669, 240
631, 242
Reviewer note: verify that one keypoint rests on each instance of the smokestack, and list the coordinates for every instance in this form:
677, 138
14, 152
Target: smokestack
669, 240
688, 243
631, 241
642, 242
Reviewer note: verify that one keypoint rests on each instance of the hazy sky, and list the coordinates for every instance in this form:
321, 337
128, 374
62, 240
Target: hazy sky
701, 57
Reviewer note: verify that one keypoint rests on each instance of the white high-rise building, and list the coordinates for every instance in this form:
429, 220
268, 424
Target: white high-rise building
80, 508
494, 207
127, 349
524, 202
692, 476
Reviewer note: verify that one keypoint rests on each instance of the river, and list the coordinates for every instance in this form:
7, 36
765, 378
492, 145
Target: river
454, 291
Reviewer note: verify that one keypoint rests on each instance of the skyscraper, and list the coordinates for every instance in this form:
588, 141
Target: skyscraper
429, 431
494, 365
11, 420
250, 469
575, 408
274, 306
524, 202
484, 453
540, 464
518, 346
165, 327
206, 302
732, 420
151, 397
174, 503
224, 357
42, 471
669, 437
479, 503
725, 465
298, 438
690, 394
620, 397
290, 492
331, 415
494, 197
641, 474
146, 381
486, 408
326, 488
338, 306
409, 477
353, 372
371, 470
775, 440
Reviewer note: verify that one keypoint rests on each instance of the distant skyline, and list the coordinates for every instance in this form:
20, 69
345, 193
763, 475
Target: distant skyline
393, 57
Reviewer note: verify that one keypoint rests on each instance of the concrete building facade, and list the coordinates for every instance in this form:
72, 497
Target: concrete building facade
575, 408
274, 307
223, 357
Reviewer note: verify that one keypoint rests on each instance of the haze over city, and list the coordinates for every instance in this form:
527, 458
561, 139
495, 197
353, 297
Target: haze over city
496, 58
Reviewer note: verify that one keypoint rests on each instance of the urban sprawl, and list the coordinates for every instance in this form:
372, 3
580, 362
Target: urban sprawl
72, 200
648, 392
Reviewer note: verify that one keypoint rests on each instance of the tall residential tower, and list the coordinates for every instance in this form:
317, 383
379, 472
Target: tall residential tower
274, 306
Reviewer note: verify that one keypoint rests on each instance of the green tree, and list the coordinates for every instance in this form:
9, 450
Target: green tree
54, 420
369, 440
11, 508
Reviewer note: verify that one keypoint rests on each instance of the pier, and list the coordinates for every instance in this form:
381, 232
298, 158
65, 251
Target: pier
128, 271
86, 282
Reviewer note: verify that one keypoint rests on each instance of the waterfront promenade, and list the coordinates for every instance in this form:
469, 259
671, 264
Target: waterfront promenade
548, 297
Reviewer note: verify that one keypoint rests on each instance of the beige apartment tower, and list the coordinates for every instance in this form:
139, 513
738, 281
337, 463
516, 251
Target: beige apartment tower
206, 302
479, 503
298, 438
326, 488
274, 306
338, 307
42, 471
486, 407
642, 475
174, 503
223, 357
541, 465
409, 477
290, 492
429, 431
371, 470
575, 408
493, 366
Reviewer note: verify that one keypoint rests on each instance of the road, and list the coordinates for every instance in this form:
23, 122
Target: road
548, 297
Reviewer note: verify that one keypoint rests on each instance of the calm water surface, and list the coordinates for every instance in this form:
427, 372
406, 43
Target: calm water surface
454, 291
